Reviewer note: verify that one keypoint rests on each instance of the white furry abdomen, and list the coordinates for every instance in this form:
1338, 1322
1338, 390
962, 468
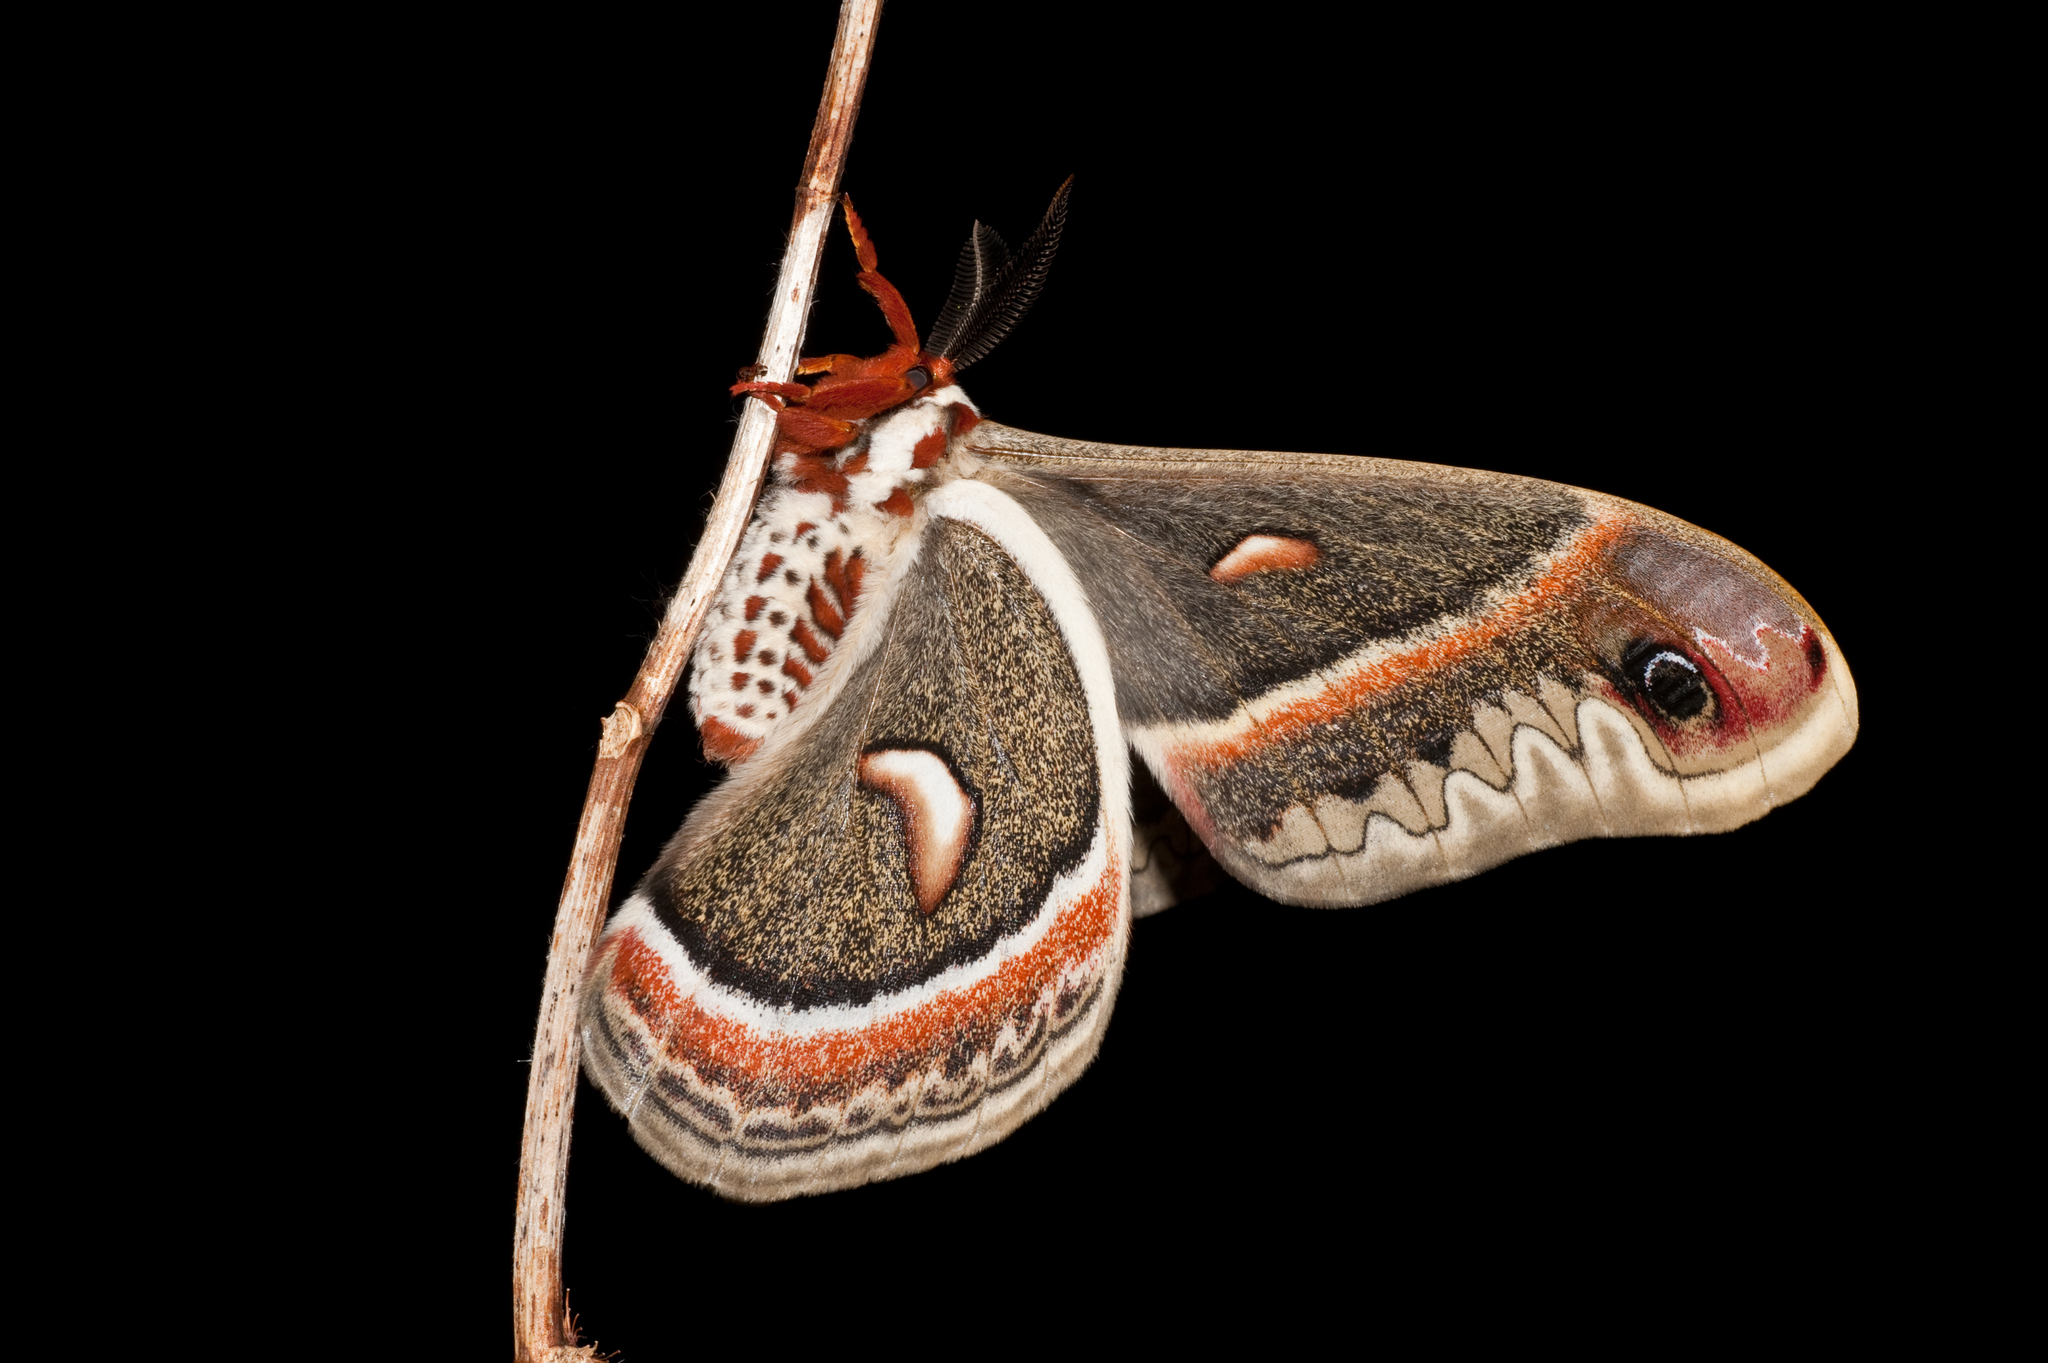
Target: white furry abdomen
817, 536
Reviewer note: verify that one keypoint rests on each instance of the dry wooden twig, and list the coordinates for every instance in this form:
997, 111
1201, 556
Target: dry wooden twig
537, 1301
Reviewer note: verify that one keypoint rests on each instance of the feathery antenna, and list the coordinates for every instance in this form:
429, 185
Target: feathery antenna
992, 290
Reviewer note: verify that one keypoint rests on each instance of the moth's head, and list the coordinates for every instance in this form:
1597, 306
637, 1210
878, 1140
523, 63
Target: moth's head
992, 290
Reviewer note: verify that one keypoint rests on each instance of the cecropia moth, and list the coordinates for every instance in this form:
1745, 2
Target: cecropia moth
896, 931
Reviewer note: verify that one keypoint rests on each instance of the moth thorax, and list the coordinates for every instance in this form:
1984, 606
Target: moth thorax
907, 451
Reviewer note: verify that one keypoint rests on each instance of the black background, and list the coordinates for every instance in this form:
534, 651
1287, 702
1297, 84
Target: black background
1649, 262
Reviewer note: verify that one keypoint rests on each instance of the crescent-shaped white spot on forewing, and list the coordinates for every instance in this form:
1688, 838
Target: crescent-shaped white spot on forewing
937, 815
1263, 554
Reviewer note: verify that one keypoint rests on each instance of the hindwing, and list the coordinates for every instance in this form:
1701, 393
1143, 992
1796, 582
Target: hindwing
896, 932
1358, 677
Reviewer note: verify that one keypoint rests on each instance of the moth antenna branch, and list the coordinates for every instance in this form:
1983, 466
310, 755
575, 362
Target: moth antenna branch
537, 1295
992, 290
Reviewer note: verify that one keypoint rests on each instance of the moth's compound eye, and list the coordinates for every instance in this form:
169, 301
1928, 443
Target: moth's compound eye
917, 378
1668, 679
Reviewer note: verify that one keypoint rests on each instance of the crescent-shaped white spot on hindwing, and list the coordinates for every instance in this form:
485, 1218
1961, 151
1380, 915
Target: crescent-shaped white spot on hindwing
1264, 553
938, 816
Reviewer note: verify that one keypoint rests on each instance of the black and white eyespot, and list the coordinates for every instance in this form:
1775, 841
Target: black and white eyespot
917, 376
1667, 679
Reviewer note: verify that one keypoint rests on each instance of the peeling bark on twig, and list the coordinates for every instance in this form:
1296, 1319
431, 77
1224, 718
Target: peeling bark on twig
538, 1304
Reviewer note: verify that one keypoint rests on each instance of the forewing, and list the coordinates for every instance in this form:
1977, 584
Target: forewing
1358, 677
897, 931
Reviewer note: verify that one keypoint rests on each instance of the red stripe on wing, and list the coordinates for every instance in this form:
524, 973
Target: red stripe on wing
725, 1050
1566, 577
